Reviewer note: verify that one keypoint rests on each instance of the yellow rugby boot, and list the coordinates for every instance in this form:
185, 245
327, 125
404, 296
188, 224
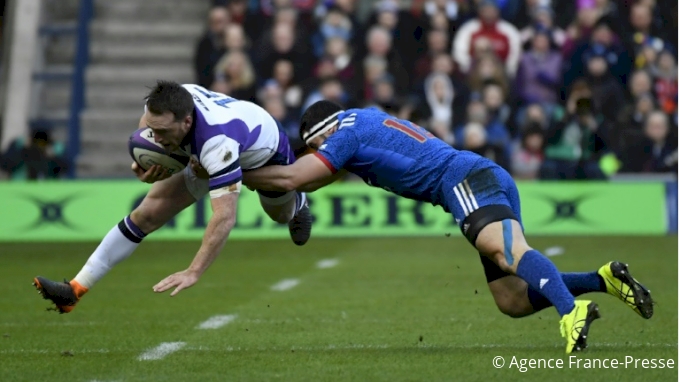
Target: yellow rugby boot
575, 325
622, 285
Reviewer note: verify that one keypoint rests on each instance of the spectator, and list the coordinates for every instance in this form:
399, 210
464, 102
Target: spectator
374, 67
280, 43
402, 28
338, 50
284, 75
490, 32
527, 156
488, 69
656, 151
496, 134
494, 100
454, 11
542, 22
238, 9
540, 71
438, 106
276, 107
580, 28
665, 73
268, 7
235, 76
602, 43
532, 115
574, 146
210, 47
642, 42
634, 114
235, 38
640, 83
379, 43
437, 42
443, 63
474, 139
385, 97
329, 89
607, 91
39, 158
334, 24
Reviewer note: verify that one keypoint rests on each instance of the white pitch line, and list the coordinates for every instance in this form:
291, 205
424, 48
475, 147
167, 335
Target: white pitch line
160, 351
285, 285
216, 322
327, 263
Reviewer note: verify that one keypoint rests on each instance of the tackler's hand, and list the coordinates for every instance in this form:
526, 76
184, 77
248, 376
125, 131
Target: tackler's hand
154, 174
198, 170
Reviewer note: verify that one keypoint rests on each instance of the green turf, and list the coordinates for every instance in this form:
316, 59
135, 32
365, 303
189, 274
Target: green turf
391, 310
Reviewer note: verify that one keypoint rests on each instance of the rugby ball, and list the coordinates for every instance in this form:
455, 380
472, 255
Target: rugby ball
146, 152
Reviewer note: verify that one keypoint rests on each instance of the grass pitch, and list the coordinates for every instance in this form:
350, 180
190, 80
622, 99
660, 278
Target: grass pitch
388, 310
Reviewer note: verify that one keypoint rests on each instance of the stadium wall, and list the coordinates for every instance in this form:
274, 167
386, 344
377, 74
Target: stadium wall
86, 210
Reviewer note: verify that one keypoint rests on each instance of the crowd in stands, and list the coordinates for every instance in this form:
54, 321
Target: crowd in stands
548, 89
569, 89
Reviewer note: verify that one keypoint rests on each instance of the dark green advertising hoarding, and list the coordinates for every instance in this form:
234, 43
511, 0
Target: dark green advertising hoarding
86, 210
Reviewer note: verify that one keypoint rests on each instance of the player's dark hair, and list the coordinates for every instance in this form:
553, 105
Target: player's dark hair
317, 113
169, 96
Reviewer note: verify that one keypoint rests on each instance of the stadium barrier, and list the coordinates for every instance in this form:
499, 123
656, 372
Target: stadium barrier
86, 210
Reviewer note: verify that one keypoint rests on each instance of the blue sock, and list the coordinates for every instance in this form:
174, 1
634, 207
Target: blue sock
542, 275
577, 283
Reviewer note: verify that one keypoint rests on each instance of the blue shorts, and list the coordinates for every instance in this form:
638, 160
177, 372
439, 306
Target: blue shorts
485, 185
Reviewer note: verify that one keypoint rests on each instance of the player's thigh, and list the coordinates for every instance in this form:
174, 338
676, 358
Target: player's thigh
486, 205
166, 199
503, 242
279, 206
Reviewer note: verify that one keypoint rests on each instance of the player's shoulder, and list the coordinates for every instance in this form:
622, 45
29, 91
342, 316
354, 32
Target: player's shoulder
359, 119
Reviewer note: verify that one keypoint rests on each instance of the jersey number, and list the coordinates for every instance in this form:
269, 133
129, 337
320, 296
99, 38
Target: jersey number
412, 130
221, 100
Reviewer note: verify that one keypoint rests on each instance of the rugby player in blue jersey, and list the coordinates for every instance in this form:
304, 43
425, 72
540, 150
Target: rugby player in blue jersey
405, 159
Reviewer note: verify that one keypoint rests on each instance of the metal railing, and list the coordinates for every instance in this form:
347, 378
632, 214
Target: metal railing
80, 61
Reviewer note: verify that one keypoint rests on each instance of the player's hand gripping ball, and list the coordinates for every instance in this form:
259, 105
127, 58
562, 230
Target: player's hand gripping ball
146, 152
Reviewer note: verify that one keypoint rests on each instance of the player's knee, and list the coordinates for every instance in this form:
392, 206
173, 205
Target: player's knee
146, 220
499, 258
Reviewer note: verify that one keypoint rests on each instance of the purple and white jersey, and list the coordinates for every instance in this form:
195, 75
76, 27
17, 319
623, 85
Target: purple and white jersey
229, 135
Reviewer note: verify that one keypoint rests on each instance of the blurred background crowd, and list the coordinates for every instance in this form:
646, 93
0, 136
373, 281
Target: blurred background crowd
561, 89
549, 90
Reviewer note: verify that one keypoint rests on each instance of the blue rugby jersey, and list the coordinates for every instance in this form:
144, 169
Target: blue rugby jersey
397, 155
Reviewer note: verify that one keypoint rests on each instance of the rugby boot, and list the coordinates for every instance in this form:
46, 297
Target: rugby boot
622, 285
300, 226
65, 295
574, 326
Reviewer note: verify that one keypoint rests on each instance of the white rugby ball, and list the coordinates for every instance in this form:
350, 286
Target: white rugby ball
146, 152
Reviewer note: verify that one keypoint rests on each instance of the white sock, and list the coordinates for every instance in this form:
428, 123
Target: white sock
300, 199
116, 246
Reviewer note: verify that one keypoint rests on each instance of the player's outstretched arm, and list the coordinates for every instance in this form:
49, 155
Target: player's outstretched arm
216, 234
306, 171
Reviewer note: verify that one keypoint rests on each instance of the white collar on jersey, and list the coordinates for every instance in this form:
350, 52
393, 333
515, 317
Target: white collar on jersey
321, 127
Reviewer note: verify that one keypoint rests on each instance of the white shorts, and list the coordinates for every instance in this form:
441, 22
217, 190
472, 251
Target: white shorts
198, 188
